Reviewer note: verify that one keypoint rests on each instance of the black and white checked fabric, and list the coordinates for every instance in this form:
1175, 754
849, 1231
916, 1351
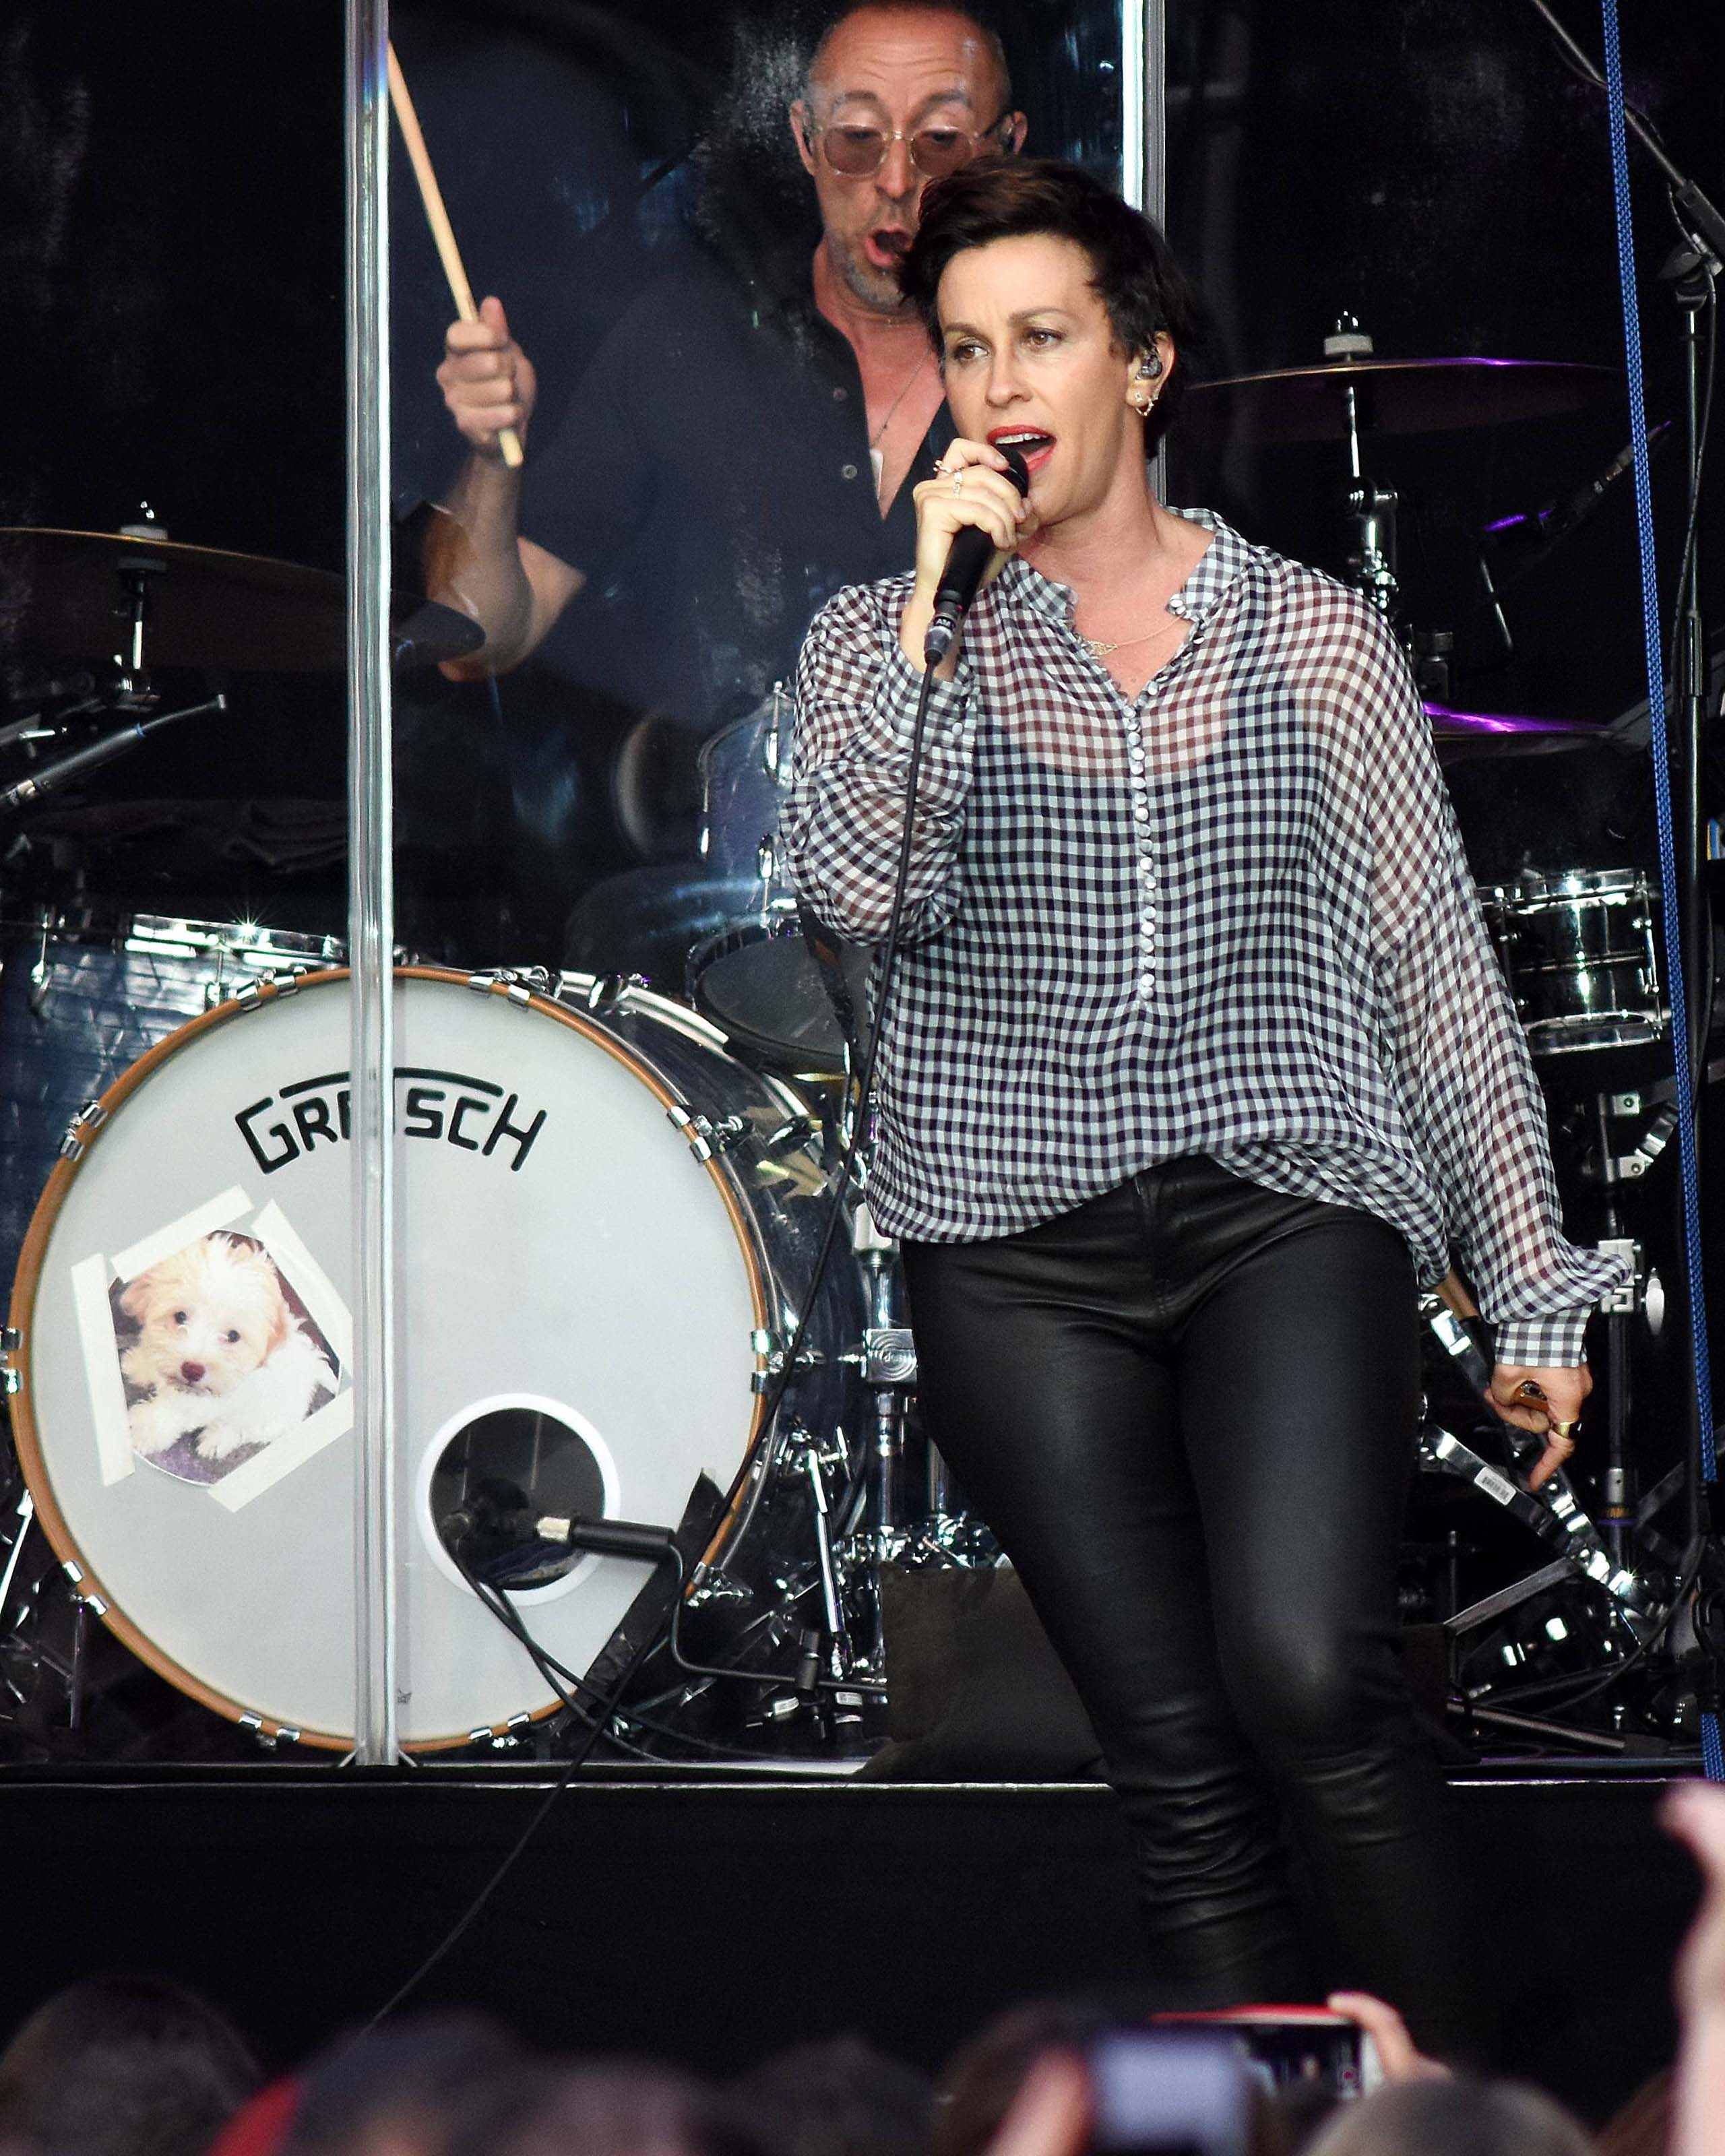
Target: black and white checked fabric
1232, 918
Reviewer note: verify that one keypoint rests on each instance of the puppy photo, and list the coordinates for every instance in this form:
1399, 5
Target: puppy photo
220, 1356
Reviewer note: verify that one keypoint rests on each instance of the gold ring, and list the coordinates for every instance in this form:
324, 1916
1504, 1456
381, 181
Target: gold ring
1566, 1430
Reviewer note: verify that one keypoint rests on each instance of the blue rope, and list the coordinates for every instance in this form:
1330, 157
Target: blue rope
1713, 1753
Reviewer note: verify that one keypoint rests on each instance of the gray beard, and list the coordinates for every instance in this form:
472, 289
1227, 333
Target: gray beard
875, 288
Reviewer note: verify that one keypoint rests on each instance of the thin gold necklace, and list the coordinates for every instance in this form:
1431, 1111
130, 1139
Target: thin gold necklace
1098, 649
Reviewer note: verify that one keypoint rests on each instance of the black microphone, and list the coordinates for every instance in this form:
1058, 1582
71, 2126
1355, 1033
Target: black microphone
973, 550
1558, 517
499, 1526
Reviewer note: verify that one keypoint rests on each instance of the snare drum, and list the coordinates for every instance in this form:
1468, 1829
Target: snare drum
1581, 953
83, 997
604, 1226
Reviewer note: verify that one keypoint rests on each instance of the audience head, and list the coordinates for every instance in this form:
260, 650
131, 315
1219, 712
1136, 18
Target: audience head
1453, 2117
122, 2065
841, 2098
405, 2089
608, 2109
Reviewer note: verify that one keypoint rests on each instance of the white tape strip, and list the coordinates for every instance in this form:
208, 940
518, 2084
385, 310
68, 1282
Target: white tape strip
308, 1279
204, 1219
90, 1279
265, 1469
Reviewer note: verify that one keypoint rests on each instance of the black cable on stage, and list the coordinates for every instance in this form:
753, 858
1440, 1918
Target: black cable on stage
595, 1729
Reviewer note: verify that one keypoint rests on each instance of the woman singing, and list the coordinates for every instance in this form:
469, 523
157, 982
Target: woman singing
1198, 1061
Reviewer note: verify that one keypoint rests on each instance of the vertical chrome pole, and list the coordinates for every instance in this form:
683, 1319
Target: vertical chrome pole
1143, 133
371, 897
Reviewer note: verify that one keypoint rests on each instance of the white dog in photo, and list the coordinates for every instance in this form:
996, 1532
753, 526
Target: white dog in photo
218, 1351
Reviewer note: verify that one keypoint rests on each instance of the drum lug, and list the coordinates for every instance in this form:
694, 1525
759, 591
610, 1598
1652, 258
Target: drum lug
603, 992
519, 984
269, 1738
706, 1138
93, 1603
11, 1381
90, 1116
771, 1349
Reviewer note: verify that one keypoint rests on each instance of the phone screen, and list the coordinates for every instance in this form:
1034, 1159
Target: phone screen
1308, 2047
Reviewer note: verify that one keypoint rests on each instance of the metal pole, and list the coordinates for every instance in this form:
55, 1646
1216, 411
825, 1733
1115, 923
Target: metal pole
371, 917
1143, 134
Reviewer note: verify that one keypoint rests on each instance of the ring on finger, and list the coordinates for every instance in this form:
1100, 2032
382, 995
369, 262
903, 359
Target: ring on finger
1565, 1431
958, 482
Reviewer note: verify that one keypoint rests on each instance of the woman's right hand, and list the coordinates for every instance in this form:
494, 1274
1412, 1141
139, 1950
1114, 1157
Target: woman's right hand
487, 380
970, 487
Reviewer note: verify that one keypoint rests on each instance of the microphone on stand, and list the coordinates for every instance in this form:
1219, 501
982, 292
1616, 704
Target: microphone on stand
1558, 517
972, 551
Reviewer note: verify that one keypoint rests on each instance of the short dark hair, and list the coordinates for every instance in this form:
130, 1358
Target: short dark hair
123, 2065
964, 9
1133, 271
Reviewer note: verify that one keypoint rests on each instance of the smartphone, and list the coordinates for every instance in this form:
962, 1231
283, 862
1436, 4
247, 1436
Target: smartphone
1307, 2046
1175, 2092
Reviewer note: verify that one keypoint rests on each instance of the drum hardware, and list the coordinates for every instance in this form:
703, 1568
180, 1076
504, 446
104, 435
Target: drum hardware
196, 607
706, 1138
1556, 1517
24, 1513
1394, 396
75, 763
1580, 953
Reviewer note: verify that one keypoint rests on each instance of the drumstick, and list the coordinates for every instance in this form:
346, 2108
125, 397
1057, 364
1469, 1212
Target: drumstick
437, 218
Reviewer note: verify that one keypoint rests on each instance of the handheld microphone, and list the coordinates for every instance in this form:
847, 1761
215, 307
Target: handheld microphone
972, 551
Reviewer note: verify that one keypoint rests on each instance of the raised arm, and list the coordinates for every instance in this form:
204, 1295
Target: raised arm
842, 825
475, 558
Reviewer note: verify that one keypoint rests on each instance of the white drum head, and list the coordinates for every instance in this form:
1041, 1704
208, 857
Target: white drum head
567, 1269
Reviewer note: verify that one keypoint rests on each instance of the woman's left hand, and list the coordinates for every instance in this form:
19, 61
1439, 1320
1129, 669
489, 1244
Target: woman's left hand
1546, 1402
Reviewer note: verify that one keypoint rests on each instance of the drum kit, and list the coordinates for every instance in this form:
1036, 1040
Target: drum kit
612, 1186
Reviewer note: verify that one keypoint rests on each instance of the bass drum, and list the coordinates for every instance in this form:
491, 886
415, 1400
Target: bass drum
604, 1223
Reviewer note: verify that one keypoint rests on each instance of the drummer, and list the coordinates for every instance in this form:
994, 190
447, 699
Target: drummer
739, 449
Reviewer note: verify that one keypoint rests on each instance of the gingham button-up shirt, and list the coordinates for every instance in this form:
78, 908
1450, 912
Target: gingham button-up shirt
1231, 917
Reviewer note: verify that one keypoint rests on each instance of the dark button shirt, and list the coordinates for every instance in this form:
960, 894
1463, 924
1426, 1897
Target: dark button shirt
711, 479
1230, 915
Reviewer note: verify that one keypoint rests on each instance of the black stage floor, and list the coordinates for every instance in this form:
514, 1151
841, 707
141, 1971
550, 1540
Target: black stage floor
713, 1921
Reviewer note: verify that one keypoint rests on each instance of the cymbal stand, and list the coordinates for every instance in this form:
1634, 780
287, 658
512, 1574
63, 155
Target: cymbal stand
1368, 509
1368, 516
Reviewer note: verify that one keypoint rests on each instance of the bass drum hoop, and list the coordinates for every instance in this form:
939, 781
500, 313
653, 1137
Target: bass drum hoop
33, 1461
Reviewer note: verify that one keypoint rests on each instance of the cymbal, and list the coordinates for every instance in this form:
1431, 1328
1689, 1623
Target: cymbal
1505, 733
1396, 397
242, 612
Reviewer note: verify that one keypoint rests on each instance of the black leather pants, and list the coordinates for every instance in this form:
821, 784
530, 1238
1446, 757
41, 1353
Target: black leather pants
1188, 1411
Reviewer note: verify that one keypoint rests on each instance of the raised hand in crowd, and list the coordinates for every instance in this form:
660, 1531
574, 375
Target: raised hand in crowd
1694, 1814
1399, 2055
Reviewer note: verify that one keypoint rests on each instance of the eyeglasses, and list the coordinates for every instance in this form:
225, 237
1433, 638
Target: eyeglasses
860, 152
